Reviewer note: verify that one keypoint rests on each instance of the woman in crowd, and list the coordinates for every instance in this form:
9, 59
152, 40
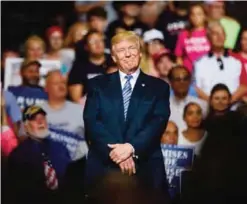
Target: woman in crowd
95, 64
192, 43
170, 135
194, 135
54, 35
75, 34
153, 42
242, 54
34, 48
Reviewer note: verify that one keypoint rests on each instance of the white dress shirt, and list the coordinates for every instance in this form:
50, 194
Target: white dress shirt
208, 73
132, 80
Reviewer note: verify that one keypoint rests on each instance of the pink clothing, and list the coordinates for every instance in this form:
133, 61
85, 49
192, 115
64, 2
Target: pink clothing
8, 140
242, 59
193, 47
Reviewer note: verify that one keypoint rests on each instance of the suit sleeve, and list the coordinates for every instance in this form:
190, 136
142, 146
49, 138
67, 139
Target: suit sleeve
96, 134
151, 134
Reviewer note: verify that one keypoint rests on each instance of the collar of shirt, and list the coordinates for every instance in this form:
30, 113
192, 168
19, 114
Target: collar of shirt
132, 81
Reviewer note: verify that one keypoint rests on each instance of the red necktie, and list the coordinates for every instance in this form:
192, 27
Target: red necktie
50, 174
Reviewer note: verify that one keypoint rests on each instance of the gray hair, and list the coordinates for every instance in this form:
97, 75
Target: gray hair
211, 25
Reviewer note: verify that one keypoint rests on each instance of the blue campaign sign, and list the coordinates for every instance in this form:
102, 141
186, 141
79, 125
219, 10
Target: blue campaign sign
176, 159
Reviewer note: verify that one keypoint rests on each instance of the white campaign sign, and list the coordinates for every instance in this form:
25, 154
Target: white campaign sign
12, 71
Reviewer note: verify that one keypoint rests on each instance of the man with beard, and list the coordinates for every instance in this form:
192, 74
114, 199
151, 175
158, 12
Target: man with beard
29, 92
37, 166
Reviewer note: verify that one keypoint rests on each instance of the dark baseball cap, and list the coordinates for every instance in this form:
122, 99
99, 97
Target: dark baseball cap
28, 63
30, 112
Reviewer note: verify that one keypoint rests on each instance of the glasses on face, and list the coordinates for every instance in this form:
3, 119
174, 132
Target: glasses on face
220, 63
181, 79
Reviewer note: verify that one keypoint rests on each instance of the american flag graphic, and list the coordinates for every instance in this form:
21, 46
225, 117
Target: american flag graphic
50, 174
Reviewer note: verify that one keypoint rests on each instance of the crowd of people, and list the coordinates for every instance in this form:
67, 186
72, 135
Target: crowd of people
189, 45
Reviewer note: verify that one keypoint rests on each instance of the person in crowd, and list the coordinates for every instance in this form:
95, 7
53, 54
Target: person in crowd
221, 119
8, 136
29, 92
75, 35
180, 81
34, 48
170, 136
83, 7
222, 156
194, 136
64, 117
154, 42
124, 127
97, 63
150, 12
192, 43
128, 18
218, 66
7, 53
12, 110
38, 165
171, 23
242, 54
164, 61
216, 12
54, 35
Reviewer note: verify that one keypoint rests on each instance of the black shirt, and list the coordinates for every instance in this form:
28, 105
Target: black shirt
171, 25
82, 71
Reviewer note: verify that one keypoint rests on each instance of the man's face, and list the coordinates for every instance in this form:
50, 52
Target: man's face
164, 65
244, 41
217, 37
216, 10
131, 10
96, 44
127, 55
35, 50
56, 41
220, 100
56, 86
37, 127
98, 23
30, 75
180, 82
170, 136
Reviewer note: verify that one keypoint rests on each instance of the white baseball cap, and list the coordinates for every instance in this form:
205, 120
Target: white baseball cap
152, 34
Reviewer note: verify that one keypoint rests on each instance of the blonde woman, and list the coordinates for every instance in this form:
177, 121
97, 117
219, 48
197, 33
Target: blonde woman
34, 48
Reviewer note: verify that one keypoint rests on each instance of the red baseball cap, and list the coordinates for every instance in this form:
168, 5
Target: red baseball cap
156, 57
52, 30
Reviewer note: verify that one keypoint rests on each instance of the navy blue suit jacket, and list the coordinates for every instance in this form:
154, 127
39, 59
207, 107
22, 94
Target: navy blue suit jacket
26, 170
146, 120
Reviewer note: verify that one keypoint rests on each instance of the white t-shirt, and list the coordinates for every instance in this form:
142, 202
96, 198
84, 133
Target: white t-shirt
196, 145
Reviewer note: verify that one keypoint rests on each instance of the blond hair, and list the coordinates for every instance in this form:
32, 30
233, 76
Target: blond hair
69, 41
32, 39
125, 35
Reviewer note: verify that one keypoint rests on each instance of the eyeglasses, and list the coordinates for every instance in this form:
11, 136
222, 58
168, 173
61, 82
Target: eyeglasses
181, 79
220, 63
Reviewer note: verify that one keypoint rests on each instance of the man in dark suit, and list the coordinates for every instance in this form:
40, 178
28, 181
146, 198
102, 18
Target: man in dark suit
125, 114
37, 167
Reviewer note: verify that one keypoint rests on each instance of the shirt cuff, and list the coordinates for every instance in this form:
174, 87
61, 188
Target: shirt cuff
133, 151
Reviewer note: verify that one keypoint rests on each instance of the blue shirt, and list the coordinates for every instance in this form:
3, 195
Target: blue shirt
27, 96
12, 109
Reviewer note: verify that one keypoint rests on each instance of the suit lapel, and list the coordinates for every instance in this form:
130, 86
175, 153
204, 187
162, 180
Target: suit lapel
137, 95
115, 91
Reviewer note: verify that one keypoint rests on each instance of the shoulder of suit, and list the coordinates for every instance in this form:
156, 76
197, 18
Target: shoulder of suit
156, 81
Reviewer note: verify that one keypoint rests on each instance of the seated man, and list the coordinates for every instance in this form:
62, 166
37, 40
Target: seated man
37, 166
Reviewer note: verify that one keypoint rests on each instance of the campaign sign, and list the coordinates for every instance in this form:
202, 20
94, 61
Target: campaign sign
176, 159
12, 70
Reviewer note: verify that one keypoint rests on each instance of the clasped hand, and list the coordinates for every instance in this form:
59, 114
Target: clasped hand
121, 154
